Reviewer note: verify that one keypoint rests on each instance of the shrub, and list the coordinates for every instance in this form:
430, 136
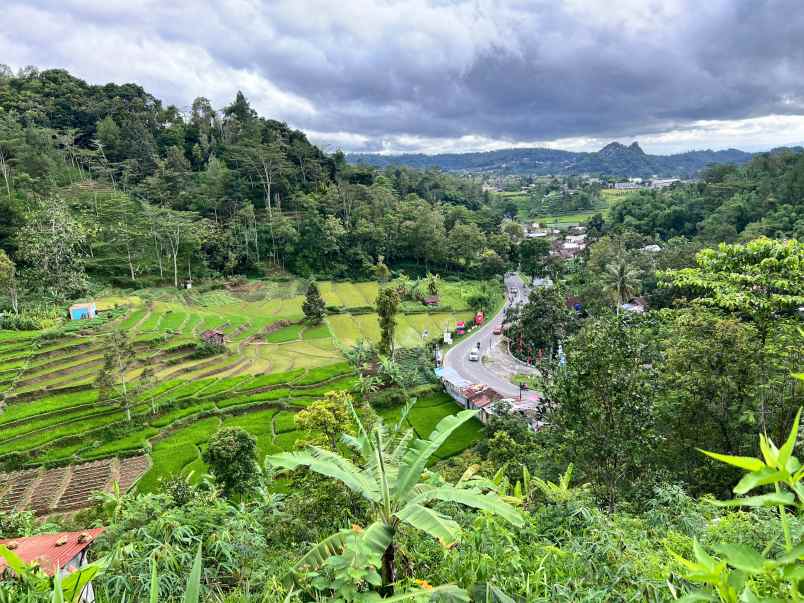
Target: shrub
204, 349
388, 398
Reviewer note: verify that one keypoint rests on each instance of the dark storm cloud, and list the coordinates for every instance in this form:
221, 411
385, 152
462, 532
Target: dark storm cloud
427, 69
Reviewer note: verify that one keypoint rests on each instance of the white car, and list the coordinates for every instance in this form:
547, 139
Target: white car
474, 356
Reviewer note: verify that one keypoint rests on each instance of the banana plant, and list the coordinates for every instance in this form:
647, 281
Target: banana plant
733, 575
391, 474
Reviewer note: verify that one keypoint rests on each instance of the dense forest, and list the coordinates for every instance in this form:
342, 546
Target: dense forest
143, 194
614, 159
762, 198
604, 493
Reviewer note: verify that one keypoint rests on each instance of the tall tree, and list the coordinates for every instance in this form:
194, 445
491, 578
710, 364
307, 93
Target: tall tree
709, 383
8, 280
118, 359
329, 416
601, 415
760, 280
268, 162
232, 458
540, 324
387, 306
51, 245
533, 254
313, 307
621, 280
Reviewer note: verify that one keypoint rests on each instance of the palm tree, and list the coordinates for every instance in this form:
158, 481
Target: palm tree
391, 474
621, 279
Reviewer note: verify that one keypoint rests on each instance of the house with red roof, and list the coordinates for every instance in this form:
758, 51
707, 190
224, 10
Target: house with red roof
63, 552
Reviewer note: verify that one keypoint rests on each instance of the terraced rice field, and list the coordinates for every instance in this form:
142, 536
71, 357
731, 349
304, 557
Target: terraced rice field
51, 416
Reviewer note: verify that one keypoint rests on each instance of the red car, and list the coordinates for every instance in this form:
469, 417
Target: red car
497, 329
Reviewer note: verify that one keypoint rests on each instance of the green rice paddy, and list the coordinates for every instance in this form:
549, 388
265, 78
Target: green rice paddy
51, 413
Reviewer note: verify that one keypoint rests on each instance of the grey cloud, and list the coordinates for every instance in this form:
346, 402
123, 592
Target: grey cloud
507, 70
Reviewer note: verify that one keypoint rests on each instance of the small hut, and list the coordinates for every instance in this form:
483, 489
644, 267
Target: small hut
213, 337
82, 311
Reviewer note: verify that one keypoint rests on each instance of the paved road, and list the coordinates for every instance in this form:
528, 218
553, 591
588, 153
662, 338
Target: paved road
457, 358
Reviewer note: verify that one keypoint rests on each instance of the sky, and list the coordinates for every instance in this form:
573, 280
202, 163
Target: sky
449, 75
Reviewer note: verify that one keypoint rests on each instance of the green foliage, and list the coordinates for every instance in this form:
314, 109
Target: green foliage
540, 324
740, 572
602, 418
533, 255
394, 481
206, 349
387, 305
759, 280
329, 416
710, 384
731, 203
313, 306
231, 456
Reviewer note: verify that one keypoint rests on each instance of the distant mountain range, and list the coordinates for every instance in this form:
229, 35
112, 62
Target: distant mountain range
614, 159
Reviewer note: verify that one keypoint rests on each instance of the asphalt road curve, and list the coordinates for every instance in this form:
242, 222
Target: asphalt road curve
457, 358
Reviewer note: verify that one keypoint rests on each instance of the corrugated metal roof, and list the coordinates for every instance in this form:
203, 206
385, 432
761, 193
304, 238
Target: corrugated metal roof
451, 375
43, 548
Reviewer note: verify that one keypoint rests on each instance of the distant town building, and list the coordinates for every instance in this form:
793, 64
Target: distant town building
651, 249
542, 283
627, 186
663, 182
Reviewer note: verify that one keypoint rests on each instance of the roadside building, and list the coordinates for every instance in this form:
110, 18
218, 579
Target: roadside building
453, 383
62, 552
480, 396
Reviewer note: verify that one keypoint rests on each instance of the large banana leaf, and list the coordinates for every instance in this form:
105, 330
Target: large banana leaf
488, 502
377, 536
192, 593
432, 522
74, 584
154, 590
332, 465
448, 593
419, 451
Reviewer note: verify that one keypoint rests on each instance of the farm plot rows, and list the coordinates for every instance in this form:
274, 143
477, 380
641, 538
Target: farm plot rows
61, 489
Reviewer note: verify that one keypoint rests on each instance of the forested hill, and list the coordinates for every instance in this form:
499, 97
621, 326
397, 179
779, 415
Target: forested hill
614, 159
146, 194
